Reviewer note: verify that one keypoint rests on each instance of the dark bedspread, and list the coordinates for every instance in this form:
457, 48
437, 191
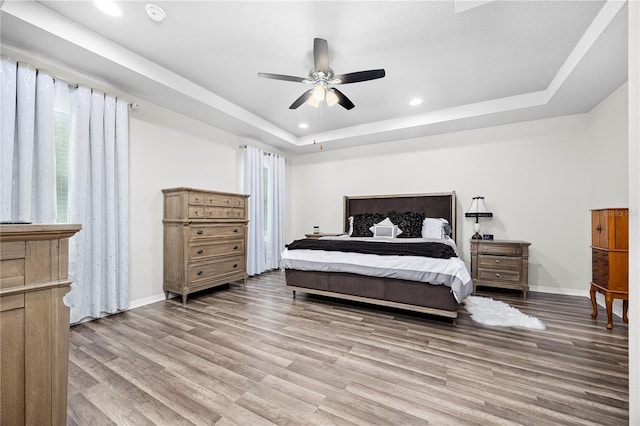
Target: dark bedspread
425, 249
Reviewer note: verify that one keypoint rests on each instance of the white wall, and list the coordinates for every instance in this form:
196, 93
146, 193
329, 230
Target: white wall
609, 182
535, 177
169, 150
634, 209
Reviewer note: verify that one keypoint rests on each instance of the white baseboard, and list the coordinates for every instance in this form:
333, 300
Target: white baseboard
145, 301
617, 304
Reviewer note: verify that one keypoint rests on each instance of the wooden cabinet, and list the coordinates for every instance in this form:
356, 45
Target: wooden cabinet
610, 259
34, 324
205, 239
501, 264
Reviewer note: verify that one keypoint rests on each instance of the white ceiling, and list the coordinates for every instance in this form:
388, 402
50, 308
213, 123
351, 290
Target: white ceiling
474, 63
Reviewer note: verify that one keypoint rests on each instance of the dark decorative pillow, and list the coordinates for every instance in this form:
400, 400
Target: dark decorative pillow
409, 222
363, 221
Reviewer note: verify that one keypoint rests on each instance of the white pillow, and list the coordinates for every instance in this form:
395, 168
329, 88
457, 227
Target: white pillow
386, 223
434, 228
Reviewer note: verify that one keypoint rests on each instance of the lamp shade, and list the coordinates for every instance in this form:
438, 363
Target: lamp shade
478, 209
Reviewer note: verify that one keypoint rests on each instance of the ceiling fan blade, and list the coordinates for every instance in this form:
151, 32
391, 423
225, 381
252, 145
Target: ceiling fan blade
302, 99
342, 99
320, 55
355, 77
284, 77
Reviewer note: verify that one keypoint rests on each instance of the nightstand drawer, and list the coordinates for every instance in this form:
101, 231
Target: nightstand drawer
499, 262
500, 249
499, 275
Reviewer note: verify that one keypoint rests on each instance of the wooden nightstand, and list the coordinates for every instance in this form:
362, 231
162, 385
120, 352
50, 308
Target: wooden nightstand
501, 264
322, 234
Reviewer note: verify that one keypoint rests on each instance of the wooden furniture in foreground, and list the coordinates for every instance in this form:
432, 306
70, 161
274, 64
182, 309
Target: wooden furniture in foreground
500, 264
322, 234
395, 293
205, 239
610, 260
34, 323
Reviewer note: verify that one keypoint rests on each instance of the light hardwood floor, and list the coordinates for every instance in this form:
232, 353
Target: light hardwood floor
255, 356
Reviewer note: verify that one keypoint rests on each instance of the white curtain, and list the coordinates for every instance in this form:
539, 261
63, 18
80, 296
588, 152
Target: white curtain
98, 199
253, 172
28, 176
275, 211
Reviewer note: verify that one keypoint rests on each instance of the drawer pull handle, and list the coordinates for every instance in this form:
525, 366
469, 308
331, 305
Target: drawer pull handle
235, 247
235, 230
200, 232
499, 275
485, 249
235, 265
200, 251
199, 273
498, 261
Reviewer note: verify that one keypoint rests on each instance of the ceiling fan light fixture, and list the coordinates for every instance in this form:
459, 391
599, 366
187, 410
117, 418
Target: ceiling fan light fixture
331, 97
318, 93
313, 102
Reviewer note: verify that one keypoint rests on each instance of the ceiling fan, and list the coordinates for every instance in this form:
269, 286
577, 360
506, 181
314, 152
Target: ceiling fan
323, 79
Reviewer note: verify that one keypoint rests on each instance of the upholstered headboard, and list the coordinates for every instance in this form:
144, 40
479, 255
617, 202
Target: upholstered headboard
436, 205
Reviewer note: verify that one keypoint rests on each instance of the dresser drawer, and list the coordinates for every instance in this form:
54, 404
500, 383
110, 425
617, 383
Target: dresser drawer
200, 251
499, 262
197, 212
197, 198
499, 275
212, 231
500, 249
224, 213
216, 269
221, 200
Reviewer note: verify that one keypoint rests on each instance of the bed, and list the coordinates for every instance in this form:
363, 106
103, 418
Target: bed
370, 274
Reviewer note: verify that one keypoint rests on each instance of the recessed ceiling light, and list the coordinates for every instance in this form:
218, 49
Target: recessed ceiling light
108, 7
155, 12
303, 125
415, 102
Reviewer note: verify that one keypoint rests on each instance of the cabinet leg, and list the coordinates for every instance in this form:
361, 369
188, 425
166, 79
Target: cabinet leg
608, 298
294, 294
524, 294
166, 295
184, 299
592, 295
625, 308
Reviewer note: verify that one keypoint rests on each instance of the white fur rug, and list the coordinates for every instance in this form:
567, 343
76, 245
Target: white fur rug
487, 311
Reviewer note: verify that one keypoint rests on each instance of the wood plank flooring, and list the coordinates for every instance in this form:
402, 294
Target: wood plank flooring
255, 356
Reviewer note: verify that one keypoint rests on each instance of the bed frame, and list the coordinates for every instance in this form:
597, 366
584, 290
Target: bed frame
402, 294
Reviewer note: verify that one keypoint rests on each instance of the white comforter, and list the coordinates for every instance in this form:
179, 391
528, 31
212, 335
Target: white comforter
451, 272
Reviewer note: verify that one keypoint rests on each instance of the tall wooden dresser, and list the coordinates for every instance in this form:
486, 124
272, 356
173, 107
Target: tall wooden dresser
34, 324
205, 239
610, 259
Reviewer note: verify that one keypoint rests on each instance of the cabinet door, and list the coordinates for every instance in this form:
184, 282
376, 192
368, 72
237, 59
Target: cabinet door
599, 232
610, 228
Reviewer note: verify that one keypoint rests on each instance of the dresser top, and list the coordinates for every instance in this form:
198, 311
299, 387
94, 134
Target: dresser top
208, 191
522, 243
37, 231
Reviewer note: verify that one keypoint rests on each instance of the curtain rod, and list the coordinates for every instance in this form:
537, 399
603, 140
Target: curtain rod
244, 145
132, 105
